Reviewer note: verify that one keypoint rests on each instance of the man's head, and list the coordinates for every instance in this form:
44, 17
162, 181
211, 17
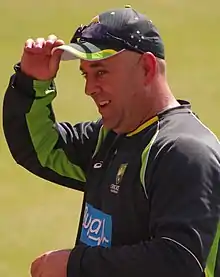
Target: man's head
122, 59
122, 88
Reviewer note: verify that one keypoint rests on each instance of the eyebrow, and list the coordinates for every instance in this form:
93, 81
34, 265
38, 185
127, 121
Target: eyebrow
93, 65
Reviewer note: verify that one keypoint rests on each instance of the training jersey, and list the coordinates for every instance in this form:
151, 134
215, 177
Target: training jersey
151, 202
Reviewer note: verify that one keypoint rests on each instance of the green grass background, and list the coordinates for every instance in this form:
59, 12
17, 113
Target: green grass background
35, 215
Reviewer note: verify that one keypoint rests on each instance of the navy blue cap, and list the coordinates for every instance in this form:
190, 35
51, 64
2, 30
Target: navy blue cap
113, 31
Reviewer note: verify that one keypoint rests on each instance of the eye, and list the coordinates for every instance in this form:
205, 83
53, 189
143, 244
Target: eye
83, 74
101, 73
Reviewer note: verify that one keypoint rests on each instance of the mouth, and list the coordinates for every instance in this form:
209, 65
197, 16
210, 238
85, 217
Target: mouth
104, 103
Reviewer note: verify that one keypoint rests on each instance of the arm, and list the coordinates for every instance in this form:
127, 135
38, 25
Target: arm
184, 196
57, 152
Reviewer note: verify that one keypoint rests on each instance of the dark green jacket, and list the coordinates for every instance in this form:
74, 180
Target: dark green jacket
151, 197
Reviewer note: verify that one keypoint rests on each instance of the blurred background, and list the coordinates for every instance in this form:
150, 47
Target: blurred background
37, 216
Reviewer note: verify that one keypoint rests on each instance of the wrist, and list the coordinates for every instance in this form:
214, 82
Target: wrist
30, 86
18, 68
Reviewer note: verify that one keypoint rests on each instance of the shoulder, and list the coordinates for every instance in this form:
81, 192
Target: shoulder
193, 148
187, 158
186, 164
188, 150
183, 134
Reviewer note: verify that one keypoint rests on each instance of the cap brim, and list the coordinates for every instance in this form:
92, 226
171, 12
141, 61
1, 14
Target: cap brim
86, 51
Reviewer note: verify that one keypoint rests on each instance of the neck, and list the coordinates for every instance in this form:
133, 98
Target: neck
161, 100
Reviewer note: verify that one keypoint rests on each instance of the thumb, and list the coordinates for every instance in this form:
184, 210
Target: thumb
55, 61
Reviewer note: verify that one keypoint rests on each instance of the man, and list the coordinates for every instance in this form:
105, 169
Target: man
149, 169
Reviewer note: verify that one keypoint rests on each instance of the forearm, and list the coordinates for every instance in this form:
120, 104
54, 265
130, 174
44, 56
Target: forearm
155, 258
31, 133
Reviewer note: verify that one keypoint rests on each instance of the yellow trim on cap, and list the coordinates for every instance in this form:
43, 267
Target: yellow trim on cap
143, 126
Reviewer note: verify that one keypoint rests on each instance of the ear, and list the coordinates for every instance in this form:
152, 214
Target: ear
149, 64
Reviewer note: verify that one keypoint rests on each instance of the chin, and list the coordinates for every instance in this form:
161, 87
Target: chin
114, 128
114, 125
109, 124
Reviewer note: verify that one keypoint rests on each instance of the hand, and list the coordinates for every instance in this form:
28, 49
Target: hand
51, 264
37, 60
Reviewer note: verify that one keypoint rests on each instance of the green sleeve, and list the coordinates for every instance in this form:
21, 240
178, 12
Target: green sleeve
58, 152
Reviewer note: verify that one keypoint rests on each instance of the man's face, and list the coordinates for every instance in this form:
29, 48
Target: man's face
116, 85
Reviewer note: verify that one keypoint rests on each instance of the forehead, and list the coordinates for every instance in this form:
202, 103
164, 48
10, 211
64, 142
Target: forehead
92, 64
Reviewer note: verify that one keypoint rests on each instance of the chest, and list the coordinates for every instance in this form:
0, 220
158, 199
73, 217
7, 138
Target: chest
114, 187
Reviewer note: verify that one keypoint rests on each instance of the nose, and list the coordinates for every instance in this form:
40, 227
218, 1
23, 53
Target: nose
91, 87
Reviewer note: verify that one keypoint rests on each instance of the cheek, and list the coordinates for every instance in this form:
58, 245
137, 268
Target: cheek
114, 86
120, 88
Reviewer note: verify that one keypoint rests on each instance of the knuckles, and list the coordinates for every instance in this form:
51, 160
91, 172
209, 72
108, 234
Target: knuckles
41, 42
36, 265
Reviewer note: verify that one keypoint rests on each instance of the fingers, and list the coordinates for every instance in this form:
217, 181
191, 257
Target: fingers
41, 45
29, 43
52, 37
51, 40
59, 42
37, 266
